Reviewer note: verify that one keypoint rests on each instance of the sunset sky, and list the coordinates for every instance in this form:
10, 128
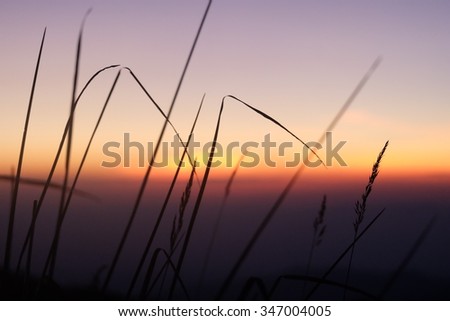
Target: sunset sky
297, 61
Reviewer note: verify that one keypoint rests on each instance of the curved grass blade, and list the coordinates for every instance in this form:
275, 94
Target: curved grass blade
54, 247
273, 120
208, 168
48, 182
268, 217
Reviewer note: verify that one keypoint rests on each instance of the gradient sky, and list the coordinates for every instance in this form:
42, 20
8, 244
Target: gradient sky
296, 60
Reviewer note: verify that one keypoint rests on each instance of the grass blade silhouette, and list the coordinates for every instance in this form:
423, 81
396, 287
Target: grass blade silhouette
9, 235
69, 139
273, 120
37, 182
30, 248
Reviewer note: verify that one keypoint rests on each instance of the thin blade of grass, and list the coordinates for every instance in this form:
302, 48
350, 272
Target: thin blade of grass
276, 122
38, 182
10, 232
362, 83
231, 180
30, 248
268, 217
12, 178
149, 168
69, 140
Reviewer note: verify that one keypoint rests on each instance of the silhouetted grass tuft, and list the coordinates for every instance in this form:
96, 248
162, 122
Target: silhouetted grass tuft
360, 207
